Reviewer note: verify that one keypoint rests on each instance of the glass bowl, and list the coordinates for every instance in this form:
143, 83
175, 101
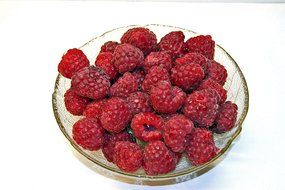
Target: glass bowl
237, 93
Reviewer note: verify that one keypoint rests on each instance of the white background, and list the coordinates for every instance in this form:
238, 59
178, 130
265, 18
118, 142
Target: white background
33, 37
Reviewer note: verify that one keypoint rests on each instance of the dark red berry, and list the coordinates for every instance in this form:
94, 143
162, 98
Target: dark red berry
172, 43
154, 75
158, 159
116, 114
104, 61
162, 59
203, 45
211, 84
147, 126
142, 38
109, 46
91, 82
166, 98
88, 133
94, 109
139, 76
124, 86
139, 102
193, 58
72, 62
217, 72
202, 107
74, 103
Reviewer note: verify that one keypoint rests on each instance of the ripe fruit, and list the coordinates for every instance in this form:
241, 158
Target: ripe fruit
128, 156
139, 102
217, 72
202, 107
116, 114
142, 38
226, 117
166, 98
202, 44
162, 59
94, 109
158, 159
139, 76
147, 126
124, 86
193, 58
88, 133
109, 46
175, 131
211, 84
110, 141
74, 103
71, 62
91, 82
172, 43
152, 78
201, 147
104, 61
187, 76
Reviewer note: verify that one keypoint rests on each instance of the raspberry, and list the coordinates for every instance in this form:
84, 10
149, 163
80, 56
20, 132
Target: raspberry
74, 103
217, 72
139, 76
104, 61
226, 118
110, 142
91, 82
94, 109
88, 133
201, 147
202, 44
187, 76
128, 156
127, 57
202, 107
147, 126
116, 114
142, 38
71, 62
158, 159
175, 131
172, 43
211, 84
193, 58
158, 59
154, 75
165, 98
109, 46
139, 102
124, 86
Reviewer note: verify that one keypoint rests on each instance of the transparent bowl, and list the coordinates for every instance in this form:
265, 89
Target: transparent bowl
237, 93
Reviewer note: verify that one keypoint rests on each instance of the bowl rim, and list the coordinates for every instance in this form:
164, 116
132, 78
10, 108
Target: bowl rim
209, 164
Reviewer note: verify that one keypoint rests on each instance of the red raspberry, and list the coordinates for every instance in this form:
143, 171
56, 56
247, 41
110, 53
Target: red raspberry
71, 62
226, 118
116, 114
166, 98
172, 43
109, 46
124, 86
193, 58
158, 159
175, 131
139, 76
139, 102
147, 126
141, 38
91, 82
127, 57
104, 61
128, 156
201, 147
110, 142
74, 103
154, 75
88, 133
187, 76
217, 72
203, 45
202, 107
94, 109
209, 83
158, 59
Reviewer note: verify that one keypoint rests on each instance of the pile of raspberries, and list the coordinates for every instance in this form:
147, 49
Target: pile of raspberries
144, 103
